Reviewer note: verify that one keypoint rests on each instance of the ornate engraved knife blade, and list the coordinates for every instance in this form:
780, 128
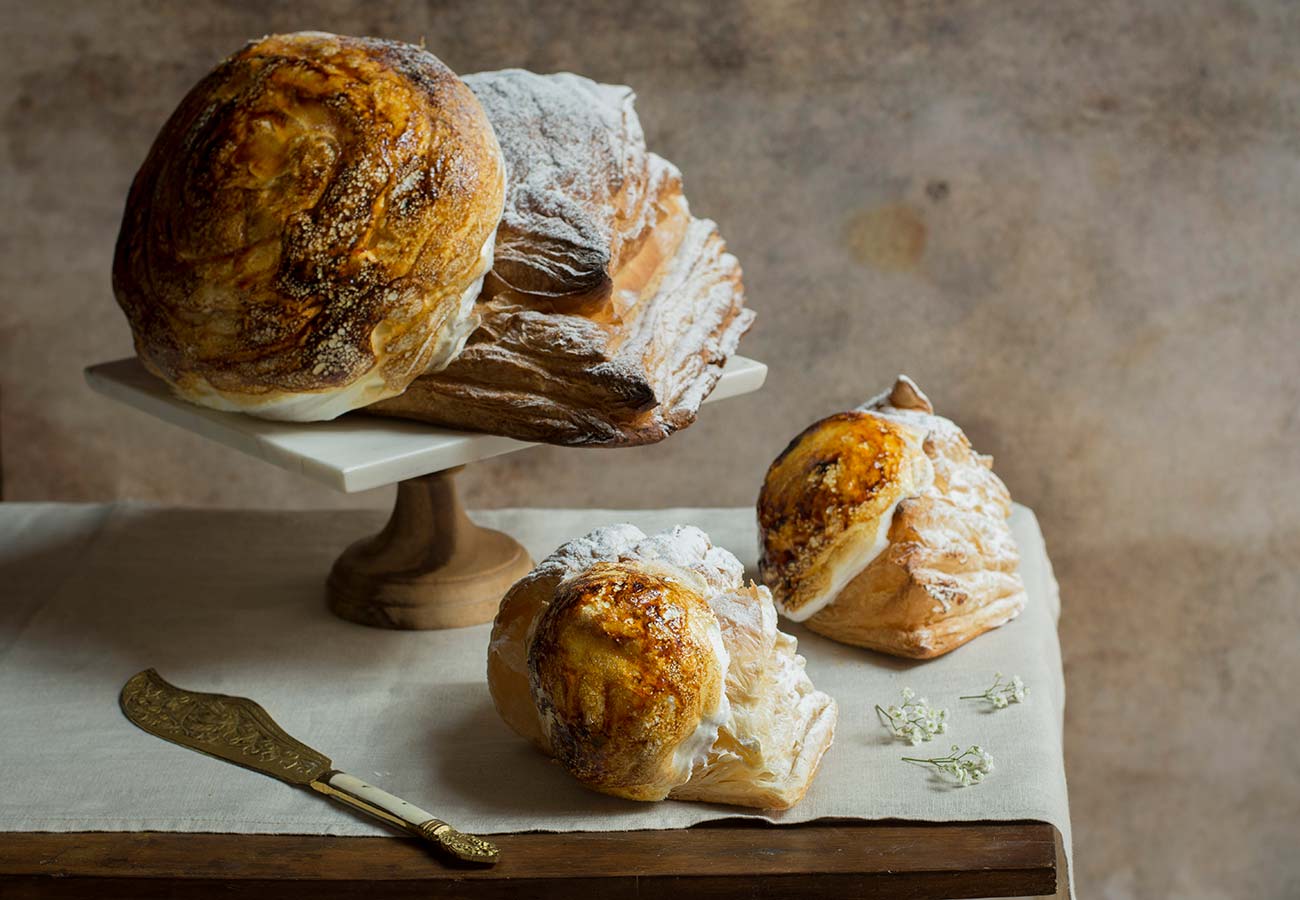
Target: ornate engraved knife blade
240, 731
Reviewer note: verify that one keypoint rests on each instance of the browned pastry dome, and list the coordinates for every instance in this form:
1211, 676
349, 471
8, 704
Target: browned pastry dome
625, 663
882, 527
311, 227
824, 500
610, 311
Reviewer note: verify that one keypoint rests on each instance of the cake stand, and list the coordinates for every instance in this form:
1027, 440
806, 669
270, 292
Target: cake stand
430, 566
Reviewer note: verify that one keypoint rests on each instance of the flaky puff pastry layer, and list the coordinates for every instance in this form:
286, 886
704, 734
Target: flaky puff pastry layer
311, 227
882, 527
610, 310
649, 669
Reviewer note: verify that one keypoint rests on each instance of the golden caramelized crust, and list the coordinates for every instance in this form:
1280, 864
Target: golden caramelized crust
311, 227
824, 500
625, 668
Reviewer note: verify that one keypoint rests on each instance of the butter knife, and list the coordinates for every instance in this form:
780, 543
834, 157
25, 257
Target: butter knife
240, 731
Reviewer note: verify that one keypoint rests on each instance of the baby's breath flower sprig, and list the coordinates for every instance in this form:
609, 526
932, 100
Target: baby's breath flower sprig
1000, 692
915, 720
967, 768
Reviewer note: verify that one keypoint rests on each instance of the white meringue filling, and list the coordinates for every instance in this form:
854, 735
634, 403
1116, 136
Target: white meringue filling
695, 749
848, 569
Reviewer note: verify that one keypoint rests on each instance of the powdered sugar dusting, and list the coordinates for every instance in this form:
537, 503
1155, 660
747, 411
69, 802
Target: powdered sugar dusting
682, 546
605, 543
572, 148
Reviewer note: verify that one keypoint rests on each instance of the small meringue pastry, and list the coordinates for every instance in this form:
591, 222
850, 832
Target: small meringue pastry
649, 670
882, 527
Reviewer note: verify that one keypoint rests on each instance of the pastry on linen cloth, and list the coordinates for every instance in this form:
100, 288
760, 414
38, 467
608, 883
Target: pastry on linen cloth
881, 527
610, 310
649, 669
311, 227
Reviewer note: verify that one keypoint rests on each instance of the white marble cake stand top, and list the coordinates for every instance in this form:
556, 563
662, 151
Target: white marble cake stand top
354, 452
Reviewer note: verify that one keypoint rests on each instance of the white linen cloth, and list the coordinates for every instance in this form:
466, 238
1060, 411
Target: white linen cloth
233, 602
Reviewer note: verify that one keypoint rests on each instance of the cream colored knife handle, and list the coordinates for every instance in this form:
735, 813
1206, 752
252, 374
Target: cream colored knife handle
379, 803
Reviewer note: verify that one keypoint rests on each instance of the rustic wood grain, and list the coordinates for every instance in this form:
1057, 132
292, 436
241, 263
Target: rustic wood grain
430, 567
890, 860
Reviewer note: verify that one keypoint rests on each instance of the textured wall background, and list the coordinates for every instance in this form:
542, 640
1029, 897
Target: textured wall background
1076, 223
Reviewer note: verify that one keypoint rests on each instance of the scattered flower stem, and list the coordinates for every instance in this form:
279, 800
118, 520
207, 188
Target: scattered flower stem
1001, 693
968, 767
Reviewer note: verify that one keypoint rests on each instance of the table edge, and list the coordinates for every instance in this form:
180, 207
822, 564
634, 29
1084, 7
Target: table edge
1016, 856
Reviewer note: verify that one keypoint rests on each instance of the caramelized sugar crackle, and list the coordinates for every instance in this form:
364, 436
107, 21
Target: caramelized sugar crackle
610, 310
649, 669
311, 227
882, 527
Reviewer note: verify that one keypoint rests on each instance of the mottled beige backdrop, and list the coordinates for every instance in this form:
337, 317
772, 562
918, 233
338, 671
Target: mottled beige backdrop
1075, 223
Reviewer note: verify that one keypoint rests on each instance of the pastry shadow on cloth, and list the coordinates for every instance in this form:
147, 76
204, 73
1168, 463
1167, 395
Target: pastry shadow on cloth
53, 555
822, 650
499, 774
493, 769
933, 779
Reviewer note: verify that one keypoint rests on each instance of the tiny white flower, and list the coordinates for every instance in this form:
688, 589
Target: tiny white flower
915, 720
1018, 690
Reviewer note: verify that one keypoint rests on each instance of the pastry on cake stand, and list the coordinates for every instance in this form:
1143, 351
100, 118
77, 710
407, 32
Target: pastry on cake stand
430, 566
518, 263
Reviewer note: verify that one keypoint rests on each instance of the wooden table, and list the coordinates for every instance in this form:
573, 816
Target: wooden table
723, 860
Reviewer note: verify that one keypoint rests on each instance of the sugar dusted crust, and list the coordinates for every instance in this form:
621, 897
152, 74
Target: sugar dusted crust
610, 310
580, 183
311, 227
583, 661
949, 570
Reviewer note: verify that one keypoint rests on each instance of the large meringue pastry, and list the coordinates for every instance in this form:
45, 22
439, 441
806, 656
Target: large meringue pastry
882, 527
311, 228
649, 670
609, 310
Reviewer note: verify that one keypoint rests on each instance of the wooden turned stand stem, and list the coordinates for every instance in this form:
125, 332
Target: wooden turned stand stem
431, 567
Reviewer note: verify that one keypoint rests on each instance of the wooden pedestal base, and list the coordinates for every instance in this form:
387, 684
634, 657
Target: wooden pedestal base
431, 567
